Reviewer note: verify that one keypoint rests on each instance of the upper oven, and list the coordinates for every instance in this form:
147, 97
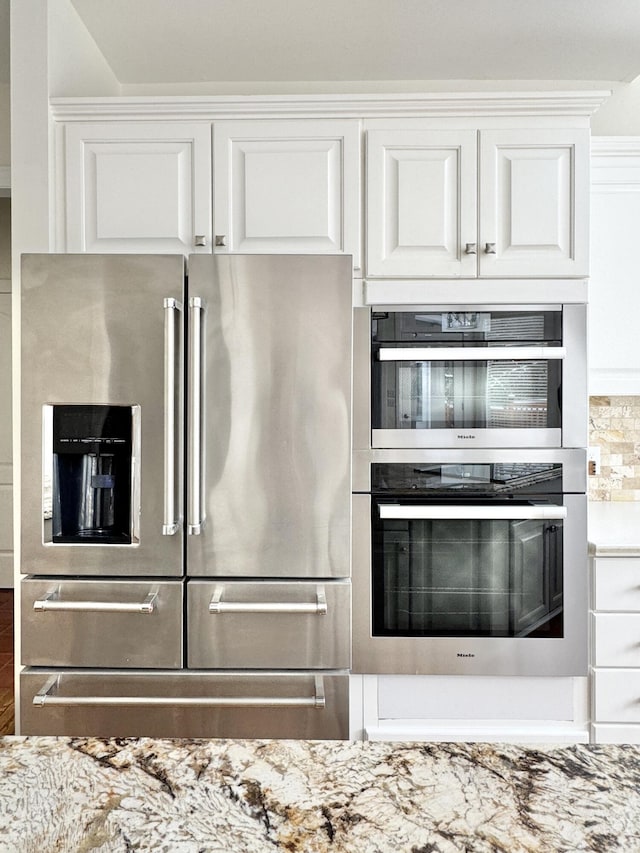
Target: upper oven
471, 376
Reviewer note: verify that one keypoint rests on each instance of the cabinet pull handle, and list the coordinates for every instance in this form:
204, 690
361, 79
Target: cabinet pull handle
200, 240
471, 249
489, 248
221, 239
47, 695
51, 602
172, 309
319, 607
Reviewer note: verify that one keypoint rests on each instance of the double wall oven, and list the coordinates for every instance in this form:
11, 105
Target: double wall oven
469, 505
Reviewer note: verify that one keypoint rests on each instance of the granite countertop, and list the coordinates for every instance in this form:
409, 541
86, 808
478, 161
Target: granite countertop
216, 796
614, 528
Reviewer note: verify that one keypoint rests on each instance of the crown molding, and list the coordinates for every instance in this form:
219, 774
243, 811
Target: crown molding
577, 103
615, 164
615, 146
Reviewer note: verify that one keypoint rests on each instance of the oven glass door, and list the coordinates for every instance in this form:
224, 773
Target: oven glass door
466, 390
438, 382
480, 569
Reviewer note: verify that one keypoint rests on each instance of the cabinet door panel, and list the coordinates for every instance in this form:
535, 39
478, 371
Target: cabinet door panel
138, 188
617, 639
421, 203
288, 186
534, 203
617, 583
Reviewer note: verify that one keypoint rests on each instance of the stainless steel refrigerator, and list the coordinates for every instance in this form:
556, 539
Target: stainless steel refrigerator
185, 495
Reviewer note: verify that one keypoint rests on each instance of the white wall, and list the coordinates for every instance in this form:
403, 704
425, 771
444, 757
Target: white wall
5, 126
76, 65
620, 114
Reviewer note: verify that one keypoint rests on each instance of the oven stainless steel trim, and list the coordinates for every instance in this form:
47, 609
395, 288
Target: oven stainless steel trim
482, 655
446, 438
574, 462
575, 395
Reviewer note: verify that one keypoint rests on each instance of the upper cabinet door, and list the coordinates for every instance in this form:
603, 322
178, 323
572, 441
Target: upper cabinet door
287, 187
133, 187
421, 203
534, 202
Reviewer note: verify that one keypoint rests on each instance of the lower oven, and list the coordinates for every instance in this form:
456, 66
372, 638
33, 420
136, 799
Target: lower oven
470, 563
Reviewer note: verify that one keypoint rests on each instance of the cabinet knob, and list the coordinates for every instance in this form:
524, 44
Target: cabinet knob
200, 240
471, 248
221, 239
489, 248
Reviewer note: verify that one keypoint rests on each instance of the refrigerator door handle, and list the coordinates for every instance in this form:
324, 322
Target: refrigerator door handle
172, 310
195, 390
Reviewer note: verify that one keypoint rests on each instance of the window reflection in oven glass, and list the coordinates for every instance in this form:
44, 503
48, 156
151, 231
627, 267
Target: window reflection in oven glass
468, 394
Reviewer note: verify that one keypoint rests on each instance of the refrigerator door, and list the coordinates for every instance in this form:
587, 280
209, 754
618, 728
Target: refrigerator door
101, 415
270, 428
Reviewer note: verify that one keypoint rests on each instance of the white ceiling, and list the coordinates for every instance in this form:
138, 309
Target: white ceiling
224, 41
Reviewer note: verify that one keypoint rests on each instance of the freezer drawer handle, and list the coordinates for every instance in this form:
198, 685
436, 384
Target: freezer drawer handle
465, 512
172, 309
51, 602
47, 695
319, 607
469, 353
195, 519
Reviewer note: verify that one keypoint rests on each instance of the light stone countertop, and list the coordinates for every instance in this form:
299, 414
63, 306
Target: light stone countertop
614, 528
216, 796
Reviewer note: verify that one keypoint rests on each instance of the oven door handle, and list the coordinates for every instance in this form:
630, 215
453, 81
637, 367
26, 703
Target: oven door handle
469, 353
435, 511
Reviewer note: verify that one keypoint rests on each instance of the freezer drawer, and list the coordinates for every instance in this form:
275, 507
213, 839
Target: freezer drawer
268, 625
101, 623
166, 704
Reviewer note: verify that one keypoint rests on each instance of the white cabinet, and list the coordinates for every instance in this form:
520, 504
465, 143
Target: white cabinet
616, 650
614, 362
474, 708
421, 202
137, 187
491, 203
287, 186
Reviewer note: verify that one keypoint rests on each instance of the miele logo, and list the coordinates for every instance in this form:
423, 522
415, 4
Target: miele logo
465, 655
465, 436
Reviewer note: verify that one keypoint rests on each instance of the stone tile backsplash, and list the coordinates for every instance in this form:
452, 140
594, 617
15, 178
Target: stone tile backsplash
614, 427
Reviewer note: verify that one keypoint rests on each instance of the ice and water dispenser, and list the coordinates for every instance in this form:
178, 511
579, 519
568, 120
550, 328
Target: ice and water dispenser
91, 476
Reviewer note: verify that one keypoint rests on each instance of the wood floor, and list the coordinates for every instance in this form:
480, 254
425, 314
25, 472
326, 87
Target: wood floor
7, 722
